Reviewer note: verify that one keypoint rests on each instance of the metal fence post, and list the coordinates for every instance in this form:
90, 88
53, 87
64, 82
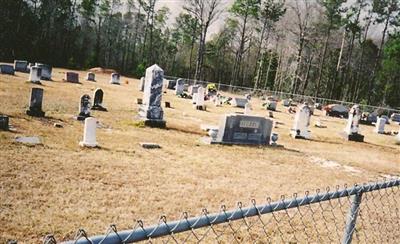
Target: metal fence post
352, 218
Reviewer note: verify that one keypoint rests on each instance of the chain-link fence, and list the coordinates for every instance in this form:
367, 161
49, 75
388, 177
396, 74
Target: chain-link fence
240, 90
368, 213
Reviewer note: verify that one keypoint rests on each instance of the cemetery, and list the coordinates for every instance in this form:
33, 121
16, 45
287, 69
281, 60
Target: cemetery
90, 155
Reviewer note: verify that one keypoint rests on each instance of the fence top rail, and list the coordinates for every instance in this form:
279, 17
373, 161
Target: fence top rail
164, 227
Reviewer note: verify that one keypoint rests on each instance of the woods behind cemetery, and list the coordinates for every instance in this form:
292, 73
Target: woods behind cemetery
338, 49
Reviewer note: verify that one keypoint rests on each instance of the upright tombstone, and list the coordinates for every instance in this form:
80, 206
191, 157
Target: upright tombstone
301, 123
380, 126
21, 66
72, 77
84, 108
115, 78
35, 74
90, 76
271, 105
7, 69
4, 122
352, 127
287, 102
200, 99
151, 112
141, 84
244, 129
247, 108
35, 105
180, 86
193, 89
171, 84
89, 133
98, 100
194, 98
46, 71
239, 102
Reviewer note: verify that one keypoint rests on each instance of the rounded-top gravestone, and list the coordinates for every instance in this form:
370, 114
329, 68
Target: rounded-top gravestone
115, 78
98, 100
35, 74
84, 107
90, 76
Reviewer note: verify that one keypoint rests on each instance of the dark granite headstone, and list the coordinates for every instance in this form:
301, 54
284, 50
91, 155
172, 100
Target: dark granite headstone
72, 77
4, 121
84, 107
46, 71
7, 69
98, 100
244, 129
91, 77
21, 66
171, 84
35, 105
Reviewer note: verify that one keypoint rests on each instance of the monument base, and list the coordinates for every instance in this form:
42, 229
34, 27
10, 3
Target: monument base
210, 141
85, 144
37, 82
99, 108
35, 113
353, 137
155, 123
297, 135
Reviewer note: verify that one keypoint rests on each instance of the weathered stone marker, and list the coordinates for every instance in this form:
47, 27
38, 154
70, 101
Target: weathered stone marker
84, 107
7, 69
171, 84
180, 86
4, 122
46, 71
271, 105
98, 100
21, 66
151, 112
89, 133
247, 108
141, 84
35, 105
239, 102
199, 99
115, 79
193, 89
244, 129
72, 77
301, 123
90, 76
352, 127
35, 74
380, 126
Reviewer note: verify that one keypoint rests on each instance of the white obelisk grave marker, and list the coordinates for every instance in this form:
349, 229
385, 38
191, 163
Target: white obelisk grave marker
89, 134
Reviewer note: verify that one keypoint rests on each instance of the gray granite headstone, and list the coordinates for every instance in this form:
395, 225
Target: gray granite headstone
180, 86
72, 77
46, 71
7, 69
244, 129
84, 107
91, 77
239, 102
21, 66
35, 105
151, 111
4, 121
98, 100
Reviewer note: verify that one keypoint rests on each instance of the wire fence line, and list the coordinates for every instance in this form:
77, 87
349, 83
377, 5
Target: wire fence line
240, 90
368, 213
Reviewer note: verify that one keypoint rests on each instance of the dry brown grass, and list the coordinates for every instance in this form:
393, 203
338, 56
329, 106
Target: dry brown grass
58, 187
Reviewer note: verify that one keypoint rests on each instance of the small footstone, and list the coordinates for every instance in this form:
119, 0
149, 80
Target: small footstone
4, 120
28, 140
149, 145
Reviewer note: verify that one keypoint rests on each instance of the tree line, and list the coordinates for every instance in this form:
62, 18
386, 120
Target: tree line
338, 49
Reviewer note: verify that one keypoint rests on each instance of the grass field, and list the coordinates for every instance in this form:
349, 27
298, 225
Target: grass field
59, 187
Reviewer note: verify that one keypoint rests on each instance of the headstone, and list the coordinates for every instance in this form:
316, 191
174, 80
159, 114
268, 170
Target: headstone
150, 145
171, 84
4, 122
115, 78
91, 76
247, 96
98, 100
247, 108
167, 104
21, 66
180, 86
35, 105
193, 89
351, 132
239, 102
84, 107
141, 84
31, 140
46, 71
287, 102
244, 129
194, 98
72, 77
89, 133
380, 126
398, 138
35, 74
7, 69
301, 123
151, 112
200, 99
217, 101
271, 105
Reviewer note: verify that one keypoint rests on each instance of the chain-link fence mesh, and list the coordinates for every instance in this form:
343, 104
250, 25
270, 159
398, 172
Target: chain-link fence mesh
363, 214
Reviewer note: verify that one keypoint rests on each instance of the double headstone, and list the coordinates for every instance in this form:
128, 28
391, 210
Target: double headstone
115, 78
35, 74
199, 102
21, 66
35, 104
84, 107
46, 71
4, 122
180, 86
239, 102
89, 133
380, 126
7, 69
244, 129
90, 76
352, 127
72, 77
98, 100
151, 112
301, 123
141, 84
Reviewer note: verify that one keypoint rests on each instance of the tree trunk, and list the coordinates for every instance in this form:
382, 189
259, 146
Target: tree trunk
321, 67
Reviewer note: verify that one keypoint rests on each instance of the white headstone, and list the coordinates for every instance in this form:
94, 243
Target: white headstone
217, 101
180, 86
398, 138
380, 126
247, 108
301, 122
200, 97
89, 133
35, 74
194, 98
115, 78
353, 121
